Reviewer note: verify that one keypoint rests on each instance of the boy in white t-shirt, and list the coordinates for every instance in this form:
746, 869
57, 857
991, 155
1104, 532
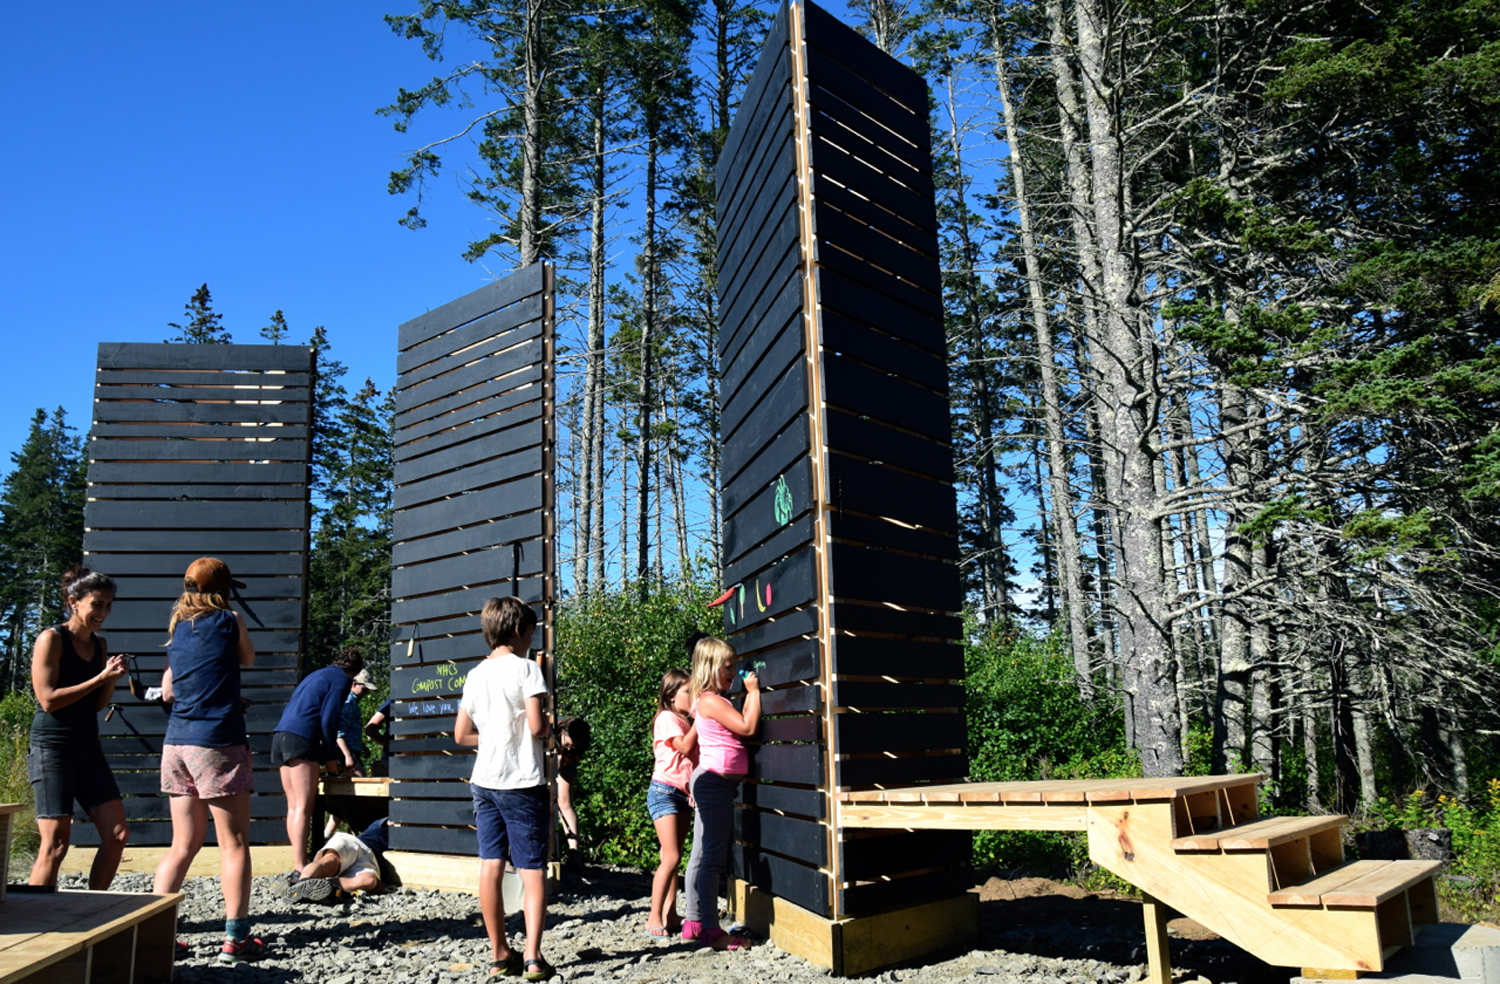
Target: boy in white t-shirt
501, 713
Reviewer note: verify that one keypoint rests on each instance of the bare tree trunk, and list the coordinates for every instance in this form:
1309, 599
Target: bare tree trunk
1310, 744
644, 387
1126, 421
591, 473
531, 153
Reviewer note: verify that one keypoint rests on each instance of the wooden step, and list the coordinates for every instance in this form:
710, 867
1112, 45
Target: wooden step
1260, 835
1311, 893
1378, 885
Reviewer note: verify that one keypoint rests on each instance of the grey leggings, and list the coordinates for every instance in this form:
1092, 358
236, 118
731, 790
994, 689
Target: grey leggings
713, 827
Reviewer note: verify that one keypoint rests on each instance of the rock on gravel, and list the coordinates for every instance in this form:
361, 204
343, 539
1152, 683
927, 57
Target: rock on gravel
595, 936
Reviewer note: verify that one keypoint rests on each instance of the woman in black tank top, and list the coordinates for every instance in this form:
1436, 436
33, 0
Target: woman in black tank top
74, 678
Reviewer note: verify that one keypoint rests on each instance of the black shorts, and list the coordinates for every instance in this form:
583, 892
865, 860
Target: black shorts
286, 746
62, 774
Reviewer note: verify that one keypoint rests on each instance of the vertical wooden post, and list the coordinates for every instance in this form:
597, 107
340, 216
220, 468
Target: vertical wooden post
1158, 951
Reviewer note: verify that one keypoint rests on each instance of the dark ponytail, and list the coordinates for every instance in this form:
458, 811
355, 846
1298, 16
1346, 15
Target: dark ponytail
80, 582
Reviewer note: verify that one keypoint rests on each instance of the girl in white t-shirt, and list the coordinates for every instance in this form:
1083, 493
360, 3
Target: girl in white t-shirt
674, 742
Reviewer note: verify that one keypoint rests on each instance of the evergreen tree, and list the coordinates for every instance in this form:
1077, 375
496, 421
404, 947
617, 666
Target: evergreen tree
202, 326
276, 330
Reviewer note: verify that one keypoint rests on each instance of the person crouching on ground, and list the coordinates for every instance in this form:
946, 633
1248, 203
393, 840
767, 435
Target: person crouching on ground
342, 866
502, 714
306, 735
205, 756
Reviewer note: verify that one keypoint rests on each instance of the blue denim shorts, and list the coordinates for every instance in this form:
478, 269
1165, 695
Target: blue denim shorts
514, 822
664, 800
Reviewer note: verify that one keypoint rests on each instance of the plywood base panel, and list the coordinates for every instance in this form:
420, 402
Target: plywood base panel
268, 859
859, 945
451, 872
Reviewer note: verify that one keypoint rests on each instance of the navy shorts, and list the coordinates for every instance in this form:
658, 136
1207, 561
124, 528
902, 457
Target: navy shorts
285, 747
513, 822
664, 799
60, 775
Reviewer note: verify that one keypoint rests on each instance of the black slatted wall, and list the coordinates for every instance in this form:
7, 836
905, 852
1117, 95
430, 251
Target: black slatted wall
199, 450
473, 521
840, 515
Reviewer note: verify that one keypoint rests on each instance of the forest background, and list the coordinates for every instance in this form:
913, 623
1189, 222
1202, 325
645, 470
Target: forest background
1222, 289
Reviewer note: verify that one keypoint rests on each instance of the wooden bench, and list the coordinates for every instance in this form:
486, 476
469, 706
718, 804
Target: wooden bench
88, 938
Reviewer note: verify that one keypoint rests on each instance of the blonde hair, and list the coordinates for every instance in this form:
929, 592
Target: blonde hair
709, 656
191, 605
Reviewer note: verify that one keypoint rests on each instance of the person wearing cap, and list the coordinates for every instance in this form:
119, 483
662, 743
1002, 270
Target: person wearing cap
205, 760
306, 735
351, 726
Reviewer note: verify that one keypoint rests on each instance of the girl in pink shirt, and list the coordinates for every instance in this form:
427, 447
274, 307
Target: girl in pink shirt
674, 742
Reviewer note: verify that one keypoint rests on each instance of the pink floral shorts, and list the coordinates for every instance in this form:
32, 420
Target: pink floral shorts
206, 773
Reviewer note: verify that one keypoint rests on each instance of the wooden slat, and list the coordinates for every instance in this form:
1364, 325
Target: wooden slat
139, 355
470, 338
1260, 835
1375, 887
1311, 892
468, 404
476, 304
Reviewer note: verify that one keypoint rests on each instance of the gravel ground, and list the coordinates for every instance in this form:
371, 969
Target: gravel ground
594, 934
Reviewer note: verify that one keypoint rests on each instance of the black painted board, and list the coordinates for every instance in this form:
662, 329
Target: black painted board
791, 700
874, 66
763, 635
879, 618
206, 475
435, 725
782, 587
898, 732
876, 656
883, 352
267, 780
455, 766
480, 567
432, 790
885, 771
148, 645
433, 650
279, 381
259, 413
832, 163
442, 812
884, 397
771, 201
789, 663
145, 355
466, 375
865, 487
786, 540
868, 245
882, 287
427, 682
784, 410
491, 437
761, 517
468, 479
797, 883
152, 720
903, 893
118, 565
291, 432
763, 379
496, 502
788, 799
772, 344
137, 586
870, 439
524, 527
772, 268
435, 840
868, 574
149, 833
801, 764
769, 86
216, 493
869, 531
130, 748
120, 514
475, 304
194, 394
484, 399
875, 213
213, 451
781, 312
452, 604
527, 590
805, 840
840, 293
802, 727
834, 118
418, 362
877, 854
881, 695
772, 462
147, 616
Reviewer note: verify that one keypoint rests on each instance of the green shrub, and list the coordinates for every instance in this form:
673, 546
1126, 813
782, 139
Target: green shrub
1475, 893
612, 649
16, 710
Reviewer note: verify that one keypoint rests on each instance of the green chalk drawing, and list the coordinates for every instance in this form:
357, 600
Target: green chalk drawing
783, 503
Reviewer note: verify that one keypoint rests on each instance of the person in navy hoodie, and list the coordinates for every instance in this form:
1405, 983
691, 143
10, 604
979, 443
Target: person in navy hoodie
306, 735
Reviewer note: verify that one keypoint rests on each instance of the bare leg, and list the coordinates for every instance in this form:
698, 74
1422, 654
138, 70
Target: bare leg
299, 780
325, 865
114, 834
492, 905
189, 825
670, 832
365, 881
232, 826
57, 834
534, 905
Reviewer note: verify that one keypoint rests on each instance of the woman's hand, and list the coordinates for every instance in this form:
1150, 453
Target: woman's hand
114, 669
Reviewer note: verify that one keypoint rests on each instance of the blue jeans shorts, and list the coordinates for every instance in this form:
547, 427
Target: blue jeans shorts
513, 822
62, 775
663, 800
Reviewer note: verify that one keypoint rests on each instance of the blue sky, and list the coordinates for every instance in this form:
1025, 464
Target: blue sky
154, 147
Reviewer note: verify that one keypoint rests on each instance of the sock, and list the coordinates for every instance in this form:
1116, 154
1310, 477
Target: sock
237, 929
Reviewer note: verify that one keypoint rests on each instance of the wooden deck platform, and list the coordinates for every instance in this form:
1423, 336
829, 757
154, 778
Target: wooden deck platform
88, 938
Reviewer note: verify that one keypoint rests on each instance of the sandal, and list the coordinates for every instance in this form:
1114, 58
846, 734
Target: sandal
538, 970
717, 939
509, 967
658, 932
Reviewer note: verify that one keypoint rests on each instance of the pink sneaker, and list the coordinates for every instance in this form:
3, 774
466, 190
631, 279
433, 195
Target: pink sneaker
691, 929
